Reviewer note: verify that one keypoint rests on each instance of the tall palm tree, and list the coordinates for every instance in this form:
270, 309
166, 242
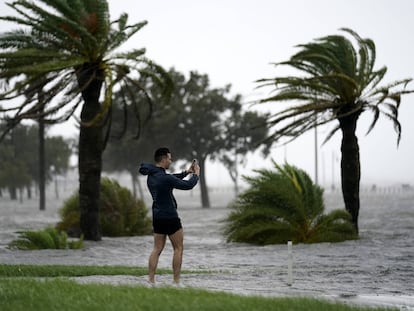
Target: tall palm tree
339, 83
72, 43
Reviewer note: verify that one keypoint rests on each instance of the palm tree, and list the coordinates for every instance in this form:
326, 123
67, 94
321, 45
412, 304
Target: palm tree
339, 83
285, 205
73, 45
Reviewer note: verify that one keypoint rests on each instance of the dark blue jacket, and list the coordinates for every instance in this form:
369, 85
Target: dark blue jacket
161, 186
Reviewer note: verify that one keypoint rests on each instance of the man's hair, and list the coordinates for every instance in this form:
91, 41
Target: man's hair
160, 153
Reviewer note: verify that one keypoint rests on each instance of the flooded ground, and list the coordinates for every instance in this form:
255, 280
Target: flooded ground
378, 269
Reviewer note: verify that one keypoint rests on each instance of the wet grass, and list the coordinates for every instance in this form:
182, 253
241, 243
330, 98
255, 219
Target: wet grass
72, 271
61, 294
68, 271
20, 291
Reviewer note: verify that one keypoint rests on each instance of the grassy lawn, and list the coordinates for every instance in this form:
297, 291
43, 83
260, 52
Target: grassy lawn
56, 271
20, 291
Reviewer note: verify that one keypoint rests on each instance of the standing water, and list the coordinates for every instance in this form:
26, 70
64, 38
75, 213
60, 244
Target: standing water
377, 269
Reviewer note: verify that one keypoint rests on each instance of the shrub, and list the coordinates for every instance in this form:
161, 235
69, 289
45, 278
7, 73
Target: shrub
120, 213
49, 238
285, 205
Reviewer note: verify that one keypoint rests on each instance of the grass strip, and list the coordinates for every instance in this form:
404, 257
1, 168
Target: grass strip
78, 270
61, 294
71, 270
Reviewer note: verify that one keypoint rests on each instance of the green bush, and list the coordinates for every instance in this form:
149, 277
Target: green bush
285, 205
120, 213
49, 238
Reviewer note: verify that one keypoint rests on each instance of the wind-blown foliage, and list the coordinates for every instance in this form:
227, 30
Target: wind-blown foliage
285, 205
58, 39
67, 50
121, 214
338, 82
49, 238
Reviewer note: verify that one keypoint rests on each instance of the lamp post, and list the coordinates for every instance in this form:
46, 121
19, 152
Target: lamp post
316, 150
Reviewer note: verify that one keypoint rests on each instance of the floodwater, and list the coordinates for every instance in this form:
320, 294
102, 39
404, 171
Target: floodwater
377, 269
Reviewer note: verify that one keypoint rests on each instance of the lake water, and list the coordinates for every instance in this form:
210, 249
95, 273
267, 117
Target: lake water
377, 269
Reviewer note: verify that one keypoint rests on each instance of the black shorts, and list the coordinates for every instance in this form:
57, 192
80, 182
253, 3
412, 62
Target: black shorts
166, 226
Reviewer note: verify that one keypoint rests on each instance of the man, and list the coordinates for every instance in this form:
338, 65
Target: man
165, 218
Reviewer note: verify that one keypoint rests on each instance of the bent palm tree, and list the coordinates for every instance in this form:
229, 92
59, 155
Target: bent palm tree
285, 206
339, 83
71, 44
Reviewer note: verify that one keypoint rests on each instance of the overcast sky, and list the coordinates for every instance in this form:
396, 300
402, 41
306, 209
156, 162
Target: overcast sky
234, 42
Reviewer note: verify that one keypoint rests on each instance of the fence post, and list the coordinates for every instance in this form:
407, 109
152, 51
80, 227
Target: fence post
290, 264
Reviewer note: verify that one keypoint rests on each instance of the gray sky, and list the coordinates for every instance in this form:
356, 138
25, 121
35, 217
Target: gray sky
234, 42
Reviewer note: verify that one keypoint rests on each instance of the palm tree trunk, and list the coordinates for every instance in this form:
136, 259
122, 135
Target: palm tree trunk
205, 200
350, 166
90, 80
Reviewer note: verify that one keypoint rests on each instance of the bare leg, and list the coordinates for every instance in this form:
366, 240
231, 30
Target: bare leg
159, 243
177, 243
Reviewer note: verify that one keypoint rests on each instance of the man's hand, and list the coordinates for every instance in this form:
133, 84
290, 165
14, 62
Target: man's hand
194, 168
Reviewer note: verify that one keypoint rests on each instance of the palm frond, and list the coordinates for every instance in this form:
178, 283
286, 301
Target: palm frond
43, 21
331, 133
39, 65
124, 32
48, 238
279, 206
337, 80
130, 55
58, 38
334, 227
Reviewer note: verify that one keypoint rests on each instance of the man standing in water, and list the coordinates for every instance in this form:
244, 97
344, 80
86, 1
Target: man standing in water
165, 218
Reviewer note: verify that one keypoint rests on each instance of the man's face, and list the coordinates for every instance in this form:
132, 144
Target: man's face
167, 161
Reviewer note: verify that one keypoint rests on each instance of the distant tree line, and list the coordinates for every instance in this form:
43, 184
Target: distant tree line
19, 159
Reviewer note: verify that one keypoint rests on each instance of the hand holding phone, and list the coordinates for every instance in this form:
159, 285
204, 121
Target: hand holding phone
195, 167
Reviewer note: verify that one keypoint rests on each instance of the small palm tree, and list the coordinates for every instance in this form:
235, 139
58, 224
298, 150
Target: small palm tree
285, 205
72, 44
339, 84
48, 238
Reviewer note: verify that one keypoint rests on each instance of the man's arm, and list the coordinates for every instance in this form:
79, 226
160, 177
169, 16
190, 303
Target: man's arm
183, 184
181, 175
